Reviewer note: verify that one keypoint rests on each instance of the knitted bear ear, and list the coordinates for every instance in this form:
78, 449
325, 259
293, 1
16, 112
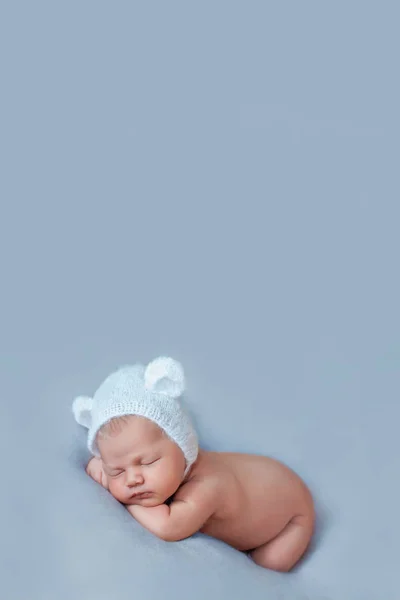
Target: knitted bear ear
165, 376
82, 409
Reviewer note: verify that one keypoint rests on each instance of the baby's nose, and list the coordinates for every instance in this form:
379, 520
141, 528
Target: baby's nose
134, 478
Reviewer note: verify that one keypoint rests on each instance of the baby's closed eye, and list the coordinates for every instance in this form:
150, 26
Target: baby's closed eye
143, 463
150, 462
114, 473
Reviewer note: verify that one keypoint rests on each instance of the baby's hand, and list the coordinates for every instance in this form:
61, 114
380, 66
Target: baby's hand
95, 470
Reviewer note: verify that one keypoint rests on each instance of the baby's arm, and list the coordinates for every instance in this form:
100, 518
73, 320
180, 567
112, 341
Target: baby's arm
184, 517
96, 471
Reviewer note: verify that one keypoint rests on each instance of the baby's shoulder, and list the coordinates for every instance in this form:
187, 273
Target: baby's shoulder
202, 483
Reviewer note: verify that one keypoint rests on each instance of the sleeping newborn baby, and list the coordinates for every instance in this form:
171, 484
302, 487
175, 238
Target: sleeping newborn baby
146, 454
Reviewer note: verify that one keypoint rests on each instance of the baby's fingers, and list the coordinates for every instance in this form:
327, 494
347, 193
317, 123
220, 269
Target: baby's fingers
103, 479
94, 474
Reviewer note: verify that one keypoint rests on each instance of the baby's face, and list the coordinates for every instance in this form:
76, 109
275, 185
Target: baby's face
142, 465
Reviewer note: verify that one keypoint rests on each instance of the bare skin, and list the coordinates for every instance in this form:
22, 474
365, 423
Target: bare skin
253, 503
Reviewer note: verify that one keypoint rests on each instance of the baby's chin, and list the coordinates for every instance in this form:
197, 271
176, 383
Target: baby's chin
148, 502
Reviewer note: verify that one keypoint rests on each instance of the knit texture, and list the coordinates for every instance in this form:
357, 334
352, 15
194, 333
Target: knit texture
152, 392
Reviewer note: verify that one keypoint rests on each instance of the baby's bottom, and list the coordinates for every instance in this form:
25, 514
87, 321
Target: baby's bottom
283, 552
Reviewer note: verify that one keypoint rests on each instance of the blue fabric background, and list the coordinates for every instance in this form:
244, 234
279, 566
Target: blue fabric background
217, 181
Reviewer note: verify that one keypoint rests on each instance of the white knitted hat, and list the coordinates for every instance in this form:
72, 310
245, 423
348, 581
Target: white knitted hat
150, 392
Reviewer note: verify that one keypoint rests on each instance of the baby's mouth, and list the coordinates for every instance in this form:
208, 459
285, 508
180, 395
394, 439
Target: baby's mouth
141, 495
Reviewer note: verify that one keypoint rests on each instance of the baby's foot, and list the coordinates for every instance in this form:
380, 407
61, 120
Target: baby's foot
95, 470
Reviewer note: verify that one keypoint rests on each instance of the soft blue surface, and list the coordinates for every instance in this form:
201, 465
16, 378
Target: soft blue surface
217, 181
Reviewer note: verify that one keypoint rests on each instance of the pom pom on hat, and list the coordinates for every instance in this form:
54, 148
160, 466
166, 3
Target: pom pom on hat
165, 375
82, 409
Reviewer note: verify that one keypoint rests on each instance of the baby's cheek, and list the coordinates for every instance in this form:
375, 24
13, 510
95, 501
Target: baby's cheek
115, 489
163, 479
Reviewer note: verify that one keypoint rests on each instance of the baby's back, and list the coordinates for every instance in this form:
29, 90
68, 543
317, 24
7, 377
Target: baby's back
257, 496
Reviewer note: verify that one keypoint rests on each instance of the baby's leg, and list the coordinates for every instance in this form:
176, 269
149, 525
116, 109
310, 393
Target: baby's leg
282, 552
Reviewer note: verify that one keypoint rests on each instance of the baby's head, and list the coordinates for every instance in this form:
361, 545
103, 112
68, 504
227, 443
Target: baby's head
143, 465
136, 416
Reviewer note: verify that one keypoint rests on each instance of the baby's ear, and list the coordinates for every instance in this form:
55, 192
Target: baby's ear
165, 375
82, 409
